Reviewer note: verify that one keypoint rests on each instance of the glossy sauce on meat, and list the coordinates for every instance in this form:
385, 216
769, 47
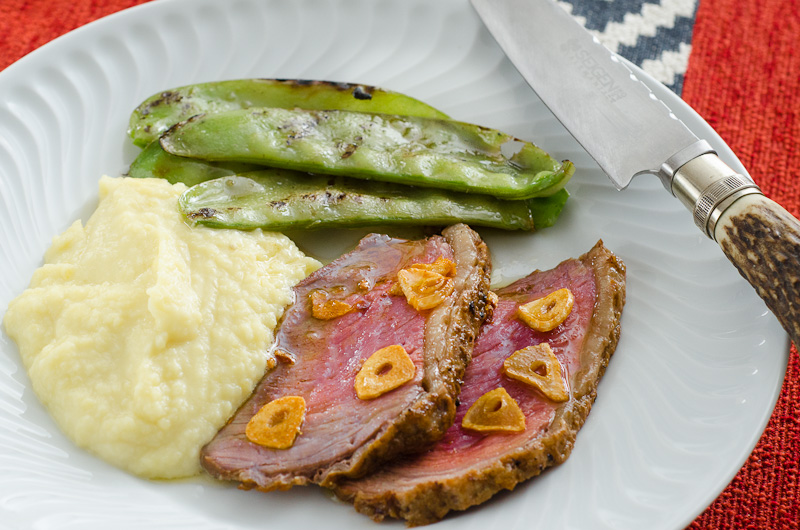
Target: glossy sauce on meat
323, 356
465, 467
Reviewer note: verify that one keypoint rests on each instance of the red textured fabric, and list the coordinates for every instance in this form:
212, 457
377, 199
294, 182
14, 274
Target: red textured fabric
27, 24
744, 78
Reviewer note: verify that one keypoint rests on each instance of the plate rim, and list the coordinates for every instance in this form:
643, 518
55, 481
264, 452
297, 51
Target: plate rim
30, 60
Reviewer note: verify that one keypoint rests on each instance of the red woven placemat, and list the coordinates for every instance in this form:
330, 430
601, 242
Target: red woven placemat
744, 78
27, 24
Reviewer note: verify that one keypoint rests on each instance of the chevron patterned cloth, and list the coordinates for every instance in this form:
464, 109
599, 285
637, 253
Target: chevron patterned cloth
655, 35
744, 82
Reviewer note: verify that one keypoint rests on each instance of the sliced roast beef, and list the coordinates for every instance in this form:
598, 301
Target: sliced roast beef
342, 435
466, 467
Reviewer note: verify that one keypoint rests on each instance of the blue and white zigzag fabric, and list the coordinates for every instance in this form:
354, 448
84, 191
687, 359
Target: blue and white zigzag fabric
655, 35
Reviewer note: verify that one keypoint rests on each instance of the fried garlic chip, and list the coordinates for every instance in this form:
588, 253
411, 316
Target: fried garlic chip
277, 424
548, 312
494, 411
426, 285
325, 309
384, 370
538, 366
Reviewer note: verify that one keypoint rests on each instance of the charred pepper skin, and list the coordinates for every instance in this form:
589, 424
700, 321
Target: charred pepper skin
162, 110
153, 161
408, 150
284, 200
338, 202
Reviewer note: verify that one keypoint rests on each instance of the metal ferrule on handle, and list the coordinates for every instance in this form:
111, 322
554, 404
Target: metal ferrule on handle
605, 107
704, 184
758, 236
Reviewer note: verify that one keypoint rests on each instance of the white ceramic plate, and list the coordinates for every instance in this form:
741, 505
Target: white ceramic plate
687, 395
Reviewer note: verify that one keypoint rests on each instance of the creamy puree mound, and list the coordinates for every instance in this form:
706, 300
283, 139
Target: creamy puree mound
142, 335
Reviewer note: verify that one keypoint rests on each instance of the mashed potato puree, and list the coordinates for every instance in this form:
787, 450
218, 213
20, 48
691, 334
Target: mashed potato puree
142, 335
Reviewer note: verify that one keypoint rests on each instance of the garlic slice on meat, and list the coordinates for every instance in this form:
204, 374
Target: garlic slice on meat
538, 366
384, 370
548, 312
426, 285
325, 309
496, 410
277, 424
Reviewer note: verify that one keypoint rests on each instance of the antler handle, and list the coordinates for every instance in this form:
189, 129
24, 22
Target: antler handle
763, 241
759, 237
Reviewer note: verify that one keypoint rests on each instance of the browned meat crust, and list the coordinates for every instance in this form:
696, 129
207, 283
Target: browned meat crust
449, 333
424, 501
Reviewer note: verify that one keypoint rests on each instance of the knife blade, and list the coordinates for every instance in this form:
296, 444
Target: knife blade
628, 131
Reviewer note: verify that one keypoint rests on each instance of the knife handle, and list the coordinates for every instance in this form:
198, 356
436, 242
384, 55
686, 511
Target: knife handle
757, 235
763, 241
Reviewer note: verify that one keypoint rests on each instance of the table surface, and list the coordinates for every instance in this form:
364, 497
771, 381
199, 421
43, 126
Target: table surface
744, 82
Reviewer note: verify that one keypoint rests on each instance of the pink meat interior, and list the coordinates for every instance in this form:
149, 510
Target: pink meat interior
499, 338
328, 355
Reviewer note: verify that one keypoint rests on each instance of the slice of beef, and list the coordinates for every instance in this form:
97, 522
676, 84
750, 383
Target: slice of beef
341, 434
466, 468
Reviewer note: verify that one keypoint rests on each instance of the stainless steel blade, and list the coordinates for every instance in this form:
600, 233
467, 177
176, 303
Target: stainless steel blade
628, 131
597, 97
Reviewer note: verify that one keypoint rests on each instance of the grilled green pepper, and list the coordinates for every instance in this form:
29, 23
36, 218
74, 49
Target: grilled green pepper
407, 150
283, 199
159, 112
154, 162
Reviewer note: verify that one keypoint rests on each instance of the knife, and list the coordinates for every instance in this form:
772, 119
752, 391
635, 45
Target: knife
629, 131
